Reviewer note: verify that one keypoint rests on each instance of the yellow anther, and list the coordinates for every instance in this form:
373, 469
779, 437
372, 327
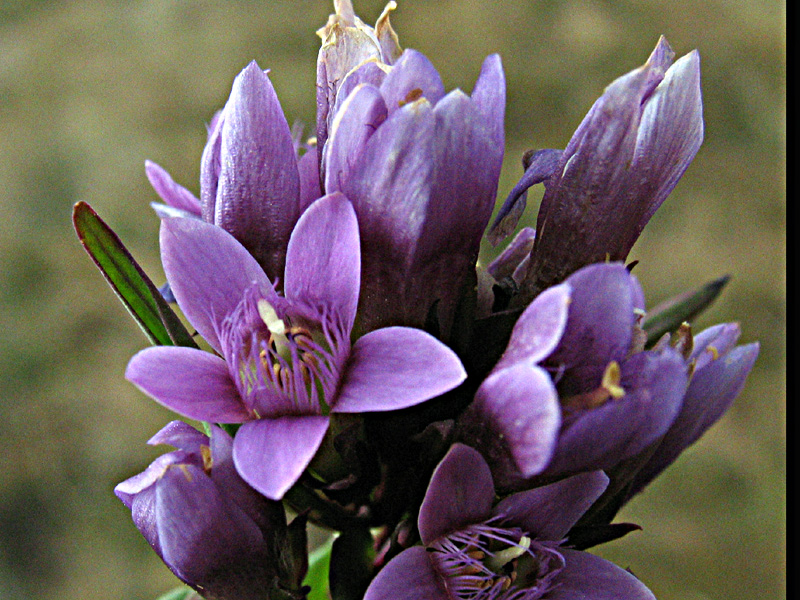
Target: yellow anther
208, 461
714, 352
611, 380
185, 472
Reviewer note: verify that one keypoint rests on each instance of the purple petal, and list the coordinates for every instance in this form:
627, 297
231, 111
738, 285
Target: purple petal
173, 194
542, 166
539, 328
550, 511
461, 493
179, 434
600, 437
670, 133
308, 168
143, 513
127, 490
193, 383
323, 260
271, 454
714, 342
489, 96
509, 259
355, 122
370, 72
200, 531
208, 271
711, 392
515, 413
394, 368
259, 185
408, 576
591, 577
210, 165
412, 71
599, 327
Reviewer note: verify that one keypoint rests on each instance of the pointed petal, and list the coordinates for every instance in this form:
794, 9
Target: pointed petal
210, 165
550, 511
394, 368
308, 168
179, 434
259, 185
271, 454
510, 258
461, 493
711, 392
412, 71
589, 576
208, 272
601, 437
539, 328
323, 260
599, 327
143, 513
355, 122
129, 489
173, 194
408, 576
670, 133
193, 383
489, 96
714, 342
542, 166
514, 422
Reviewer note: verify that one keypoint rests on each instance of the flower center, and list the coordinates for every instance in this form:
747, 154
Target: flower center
485, 562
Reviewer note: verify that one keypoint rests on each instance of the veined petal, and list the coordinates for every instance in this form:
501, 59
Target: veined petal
408, 576
208, 272
550, 511
589, 576
710, 393
259, 185
179, 434
489, 96
714, 342
354, 123
601, 437
396, 367
271, 454
412, 75
193, 383
539, 328
460, 493
173, 194
323, 260
515, 415
210, 164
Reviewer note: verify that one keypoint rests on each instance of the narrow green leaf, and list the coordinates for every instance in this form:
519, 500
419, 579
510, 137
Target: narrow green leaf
669, 315
181, 593
318, 569
351, 564
137, 292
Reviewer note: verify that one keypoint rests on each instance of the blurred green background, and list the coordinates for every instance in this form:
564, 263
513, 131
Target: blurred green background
89, 90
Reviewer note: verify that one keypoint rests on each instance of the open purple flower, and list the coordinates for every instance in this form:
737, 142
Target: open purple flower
421, 168
620, 165
253, 184
212, 530
511, 551
573, 391
288, 361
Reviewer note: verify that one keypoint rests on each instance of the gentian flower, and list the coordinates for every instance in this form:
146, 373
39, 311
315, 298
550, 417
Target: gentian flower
421, 168
718, 371
212, 530
620, 165
288, 361
511, 551
253, 184
574, 391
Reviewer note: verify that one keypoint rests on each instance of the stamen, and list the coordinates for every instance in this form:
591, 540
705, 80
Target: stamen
208, 461
611, 380
503, 557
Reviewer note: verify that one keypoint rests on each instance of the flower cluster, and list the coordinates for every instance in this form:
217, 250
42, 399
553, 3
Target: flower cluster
467, 431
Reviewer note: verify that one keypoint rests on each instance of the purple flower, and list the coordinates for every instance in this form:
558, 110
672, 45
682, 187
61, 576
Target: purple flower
252, 183
421, 168
288, 362
211, 529
622, 162
574, 391
512, 551
718, 371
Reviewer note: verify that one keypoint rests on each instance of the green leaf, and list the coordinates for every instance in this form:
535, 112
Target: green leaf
668, 316
181, 593
351, 564
137, 292
318, 568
